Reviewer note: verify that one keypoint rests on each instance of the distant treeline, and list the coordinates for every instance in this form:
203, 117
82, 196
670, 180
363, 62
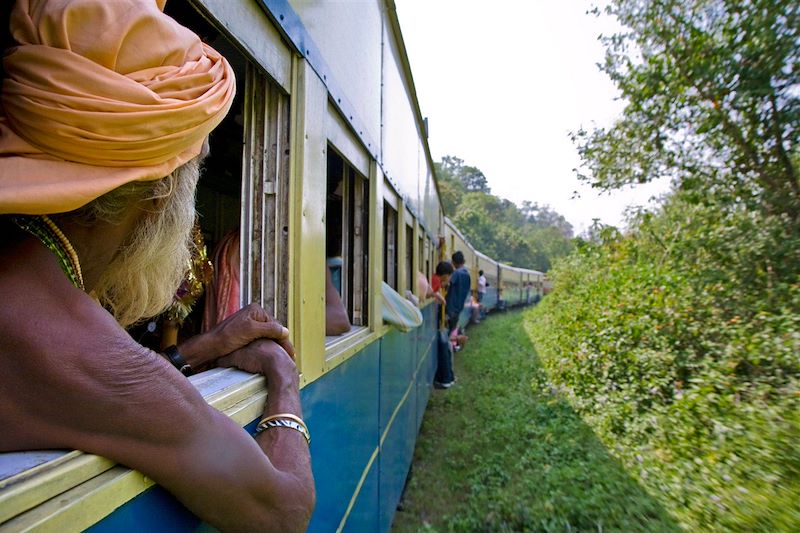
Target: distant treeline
530, 236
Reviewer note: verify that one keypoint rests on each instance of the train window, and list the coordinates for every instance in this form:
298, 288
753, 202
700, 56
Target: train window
431, 258
390, 245
346, 243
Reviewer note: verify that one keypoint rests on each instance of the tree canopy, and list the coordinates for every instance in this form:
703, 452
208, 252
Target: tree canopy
712, 91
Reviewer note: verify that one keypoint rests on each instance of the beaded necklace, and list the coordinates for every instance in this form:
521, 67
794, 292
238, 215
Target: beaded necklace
51, 236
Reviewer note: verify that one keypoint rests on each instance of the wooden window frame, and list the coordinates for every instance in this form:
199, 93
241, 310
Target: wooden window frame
265, 197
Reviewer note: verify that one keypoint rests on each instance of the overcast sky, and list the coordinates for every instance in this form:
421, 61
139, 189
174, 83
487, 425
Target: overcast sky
504, 82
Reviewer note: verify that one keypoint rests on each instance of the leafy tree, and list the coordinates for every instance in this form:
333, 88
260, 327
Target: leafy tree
450, 187
712, 101
531, 237
547, 244
544, 216
469, 178
474, 180
450, 192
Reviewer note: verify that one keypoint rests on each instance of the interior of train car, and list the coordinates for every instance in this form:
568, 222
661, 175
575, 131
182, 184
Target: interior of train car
390, 243
346, 245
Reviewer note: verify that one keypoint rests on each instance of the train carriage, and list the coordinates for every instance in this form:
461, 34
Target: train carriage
323, 162
491, 271
509, 280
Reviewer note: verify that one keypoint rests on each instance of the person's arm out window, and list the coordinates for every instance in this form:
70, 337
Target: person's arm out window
100, 392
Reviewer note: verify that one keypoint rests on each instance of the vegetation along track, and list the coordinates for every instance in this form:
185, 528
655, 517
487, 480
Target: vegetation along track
503, 450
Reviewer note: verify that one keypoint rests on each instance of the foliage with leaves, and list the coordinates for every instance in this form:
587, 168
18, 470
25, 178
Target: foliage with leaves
712, 91
679, 343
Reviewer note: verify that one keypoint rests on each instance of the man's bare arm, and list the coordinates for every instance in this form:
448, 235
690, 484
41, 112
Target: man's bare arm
73, 378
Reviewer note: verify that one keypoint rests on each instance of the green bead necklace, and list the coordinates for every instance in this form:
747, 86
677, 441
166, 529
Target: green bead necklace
50, 235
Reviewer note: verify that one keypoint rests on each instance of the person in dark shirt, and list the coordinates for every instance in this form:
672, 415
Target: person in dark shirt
459, 291
444, 377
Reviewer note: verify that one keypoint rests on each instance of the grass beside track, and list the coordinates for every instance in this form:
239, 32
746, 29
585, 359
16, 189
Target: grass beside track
502, 451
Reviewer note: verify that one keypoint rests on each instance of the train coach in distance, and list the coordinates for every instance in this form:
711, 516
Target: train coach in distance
101, 137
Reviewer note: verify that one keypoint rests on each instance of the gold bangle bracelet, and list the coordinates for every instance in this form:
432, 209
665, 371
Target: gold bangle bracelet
284, 415
285, 420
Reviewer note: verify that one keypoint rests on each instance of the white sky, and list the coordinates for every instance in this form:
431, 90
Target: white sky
503, 83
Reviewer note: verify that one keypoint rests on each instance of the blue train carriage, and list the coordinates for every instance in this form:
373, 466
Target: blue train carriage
322, 159
519, 286
491, 270
509, 286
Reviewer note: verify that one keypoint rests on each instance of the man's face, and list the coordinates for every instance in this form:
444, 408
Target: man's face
142, 278
445, 279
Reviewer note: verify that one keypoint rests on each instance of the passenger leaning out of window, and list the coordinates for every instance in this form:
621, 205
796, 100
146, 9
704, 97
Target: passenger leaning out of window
426, 289
101, 136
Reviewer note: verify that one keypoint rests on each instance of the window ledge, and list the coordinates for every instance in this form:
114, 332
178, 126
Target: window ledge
341, 347
54, 489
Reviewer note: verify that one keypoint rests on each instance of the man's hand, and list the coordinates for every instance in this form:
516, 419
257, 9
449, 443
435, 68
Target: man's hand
263, 356
248, 324
439, 298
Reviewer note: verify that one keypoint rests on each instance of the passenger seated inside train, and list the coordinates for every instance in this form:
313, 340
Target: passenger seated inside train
336, 320
222, 295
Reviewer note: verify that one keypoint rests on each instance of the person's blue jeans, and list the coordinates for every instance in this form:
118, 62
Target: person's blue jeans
444, 358
444, 355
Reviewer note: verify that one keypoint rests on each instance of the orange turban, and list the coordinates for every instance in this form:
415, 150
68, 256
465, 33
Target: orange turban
99, 93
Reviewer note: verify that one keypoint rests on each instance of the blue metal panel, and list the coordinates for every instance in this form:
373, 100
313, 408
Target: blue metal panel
364, 516
398, 419
341, 410
398, 355
154, 510
395, 460
423, 384
427, 366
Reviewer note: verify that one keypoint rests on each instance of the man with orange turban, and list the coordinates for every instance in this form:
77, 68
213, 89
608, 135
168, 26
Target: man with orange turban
101, 136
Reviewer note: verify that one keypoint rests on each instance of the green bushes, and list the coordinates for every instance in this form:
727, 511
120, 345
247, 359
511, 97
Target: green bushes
679, 343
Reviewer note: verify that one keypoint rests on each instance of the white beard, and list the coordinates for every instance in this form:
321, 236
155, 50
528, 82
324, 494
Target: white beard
142, 278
